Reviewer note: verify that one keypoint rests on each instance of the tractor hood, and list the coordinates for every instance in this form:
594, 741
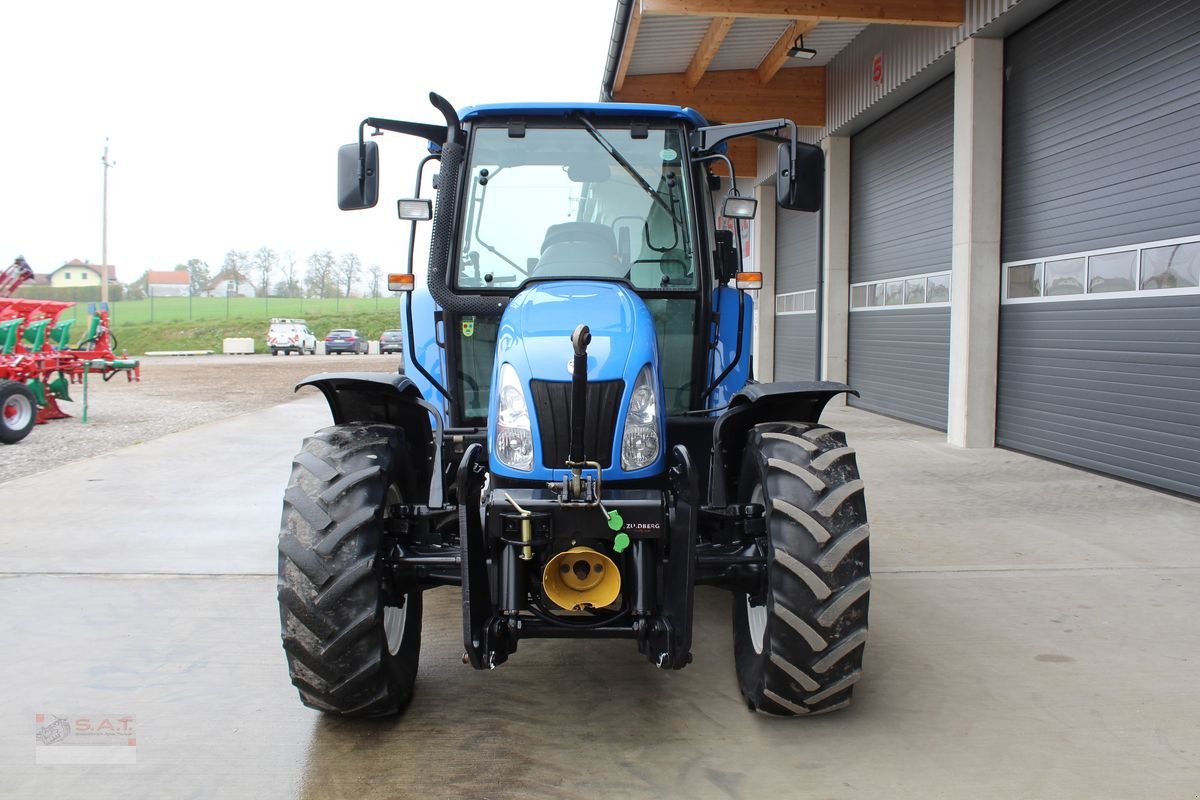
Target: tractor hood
536, 329
535, 340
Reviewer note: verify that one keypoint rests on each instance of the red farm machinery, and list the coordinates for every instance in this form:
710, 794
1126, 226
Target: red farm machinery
38, 362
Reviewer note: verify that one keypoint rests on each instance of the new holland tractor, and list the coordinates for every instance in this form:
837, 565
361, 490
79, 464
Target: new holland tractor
576, 441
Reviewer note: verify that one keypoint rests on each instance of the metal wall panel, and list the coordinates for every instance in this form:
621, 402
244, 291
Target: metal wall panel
907, 53
1111, 385
1102, 105
796, 347
901, 189
797, 250
797, 261
899, 362
901, 208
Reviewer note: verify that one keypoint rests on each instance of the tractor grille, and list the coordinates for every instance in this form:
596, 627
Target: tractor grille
552, 403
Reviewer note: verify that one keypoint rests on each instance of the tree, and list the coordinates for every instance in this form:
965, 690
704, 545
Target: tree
198, 275
290, 285
320, 274
138, 289
236, 262
348, 269
265, 261
376, 273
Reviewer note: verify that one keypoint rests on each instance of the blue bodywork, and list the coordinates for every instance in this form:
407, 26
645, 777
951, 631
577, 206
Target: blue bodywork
422, 346
639, 110
725, 304
534, 337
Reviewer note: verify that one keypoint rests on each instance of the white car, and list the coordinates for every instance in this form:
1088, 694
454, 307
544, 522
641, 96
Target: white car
290, 336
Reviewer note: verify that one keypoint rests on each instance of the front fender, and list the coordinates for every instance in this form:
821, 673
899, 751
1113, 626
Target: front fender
395, 400
802, 401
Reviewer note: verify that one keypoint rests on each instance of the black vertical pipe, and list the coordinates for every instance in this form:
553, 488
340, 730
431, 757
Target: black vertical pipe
580, 340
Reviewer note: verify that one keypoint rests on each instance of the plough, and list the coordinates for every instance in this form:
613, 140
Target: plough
38, 362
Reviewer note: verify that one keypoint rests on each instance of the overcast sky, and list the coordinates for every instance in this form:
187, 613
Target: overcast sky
224, 118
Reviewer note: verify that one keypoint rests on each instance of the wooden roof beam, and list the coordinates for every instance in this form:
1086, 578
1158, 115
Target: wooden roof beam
939, 13
735, 95
707, 50
635, 21
778, 56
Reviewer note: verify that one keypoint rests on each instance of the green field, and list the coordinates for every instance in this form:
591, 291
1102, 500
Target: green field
180, 323
178, 309
139, 337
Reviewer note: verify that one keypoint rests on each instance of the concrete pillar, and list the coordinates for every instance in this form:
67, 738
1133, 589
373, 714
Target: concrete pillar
764, 306
975, 263
835, 261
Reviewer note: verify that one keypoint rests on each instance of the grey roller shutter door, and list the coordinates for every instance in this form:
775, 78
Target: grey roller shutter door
901, 187
1102, 109
797, 260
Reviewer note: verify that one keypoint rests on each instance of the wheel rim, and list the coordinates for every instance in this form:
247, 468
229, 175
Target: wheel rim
17, 413
756, 616
394, 617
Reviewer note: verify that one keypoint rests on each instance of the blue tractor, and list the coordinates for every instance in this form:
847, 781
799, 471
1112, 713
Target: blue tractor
576, 440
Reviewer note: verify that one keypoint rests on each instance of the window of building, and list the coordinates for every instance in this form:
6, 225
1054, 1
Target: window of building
914, 291
1025, 280
1112, 272
939, 288
907, 292
1176, 266
1164, 266
894, 293
1065, 277
68, 275
796, 303
858, 296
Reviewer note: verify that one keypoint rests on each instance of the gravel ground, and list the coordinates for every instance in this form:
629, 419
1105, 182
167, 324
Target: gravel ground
175, 393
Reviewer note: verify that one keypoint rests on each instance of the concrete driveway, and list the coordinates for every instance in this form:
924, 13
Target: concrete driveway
1034, 633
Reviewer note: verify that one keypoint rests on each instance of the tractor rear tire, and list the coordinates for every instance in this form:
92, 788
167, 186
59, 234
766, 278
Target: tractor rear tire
352, 639
18, 411
798, 648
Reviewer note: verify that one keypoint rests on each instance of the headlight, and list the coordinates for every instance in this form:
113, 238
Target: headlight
514, 438
639, 443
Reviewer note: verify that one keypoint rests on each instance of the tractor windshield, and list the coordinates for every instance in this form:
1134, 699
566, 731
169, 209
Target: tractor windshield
558, 203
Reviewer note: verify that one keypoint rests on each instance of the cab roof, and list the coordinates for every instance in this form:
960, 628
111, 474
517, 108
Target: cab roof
625, 110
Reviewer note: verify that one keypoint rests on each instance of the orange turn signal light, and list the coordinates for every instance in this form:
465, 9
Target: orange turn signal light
401, 282
749, 280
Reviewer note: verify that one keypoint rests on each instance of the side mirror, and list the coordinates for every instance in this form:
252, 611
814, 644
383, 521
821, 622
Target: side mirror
725, 256
800, 191
358, 177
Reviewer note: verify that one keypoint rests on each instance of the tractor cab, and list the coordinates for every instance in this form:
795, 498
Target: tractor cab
575, 440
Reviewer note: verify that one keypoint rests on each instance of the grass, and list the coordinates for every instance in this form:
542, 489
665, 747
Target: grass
200, 323
137, 337
197, 309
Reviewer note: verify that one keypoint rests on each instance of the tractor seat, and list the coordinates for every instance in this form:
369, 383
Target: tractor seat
580, 233
579, 250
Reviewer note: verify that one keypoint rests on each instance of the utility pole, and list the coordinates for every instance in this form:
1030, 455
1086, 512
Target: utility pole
104, 234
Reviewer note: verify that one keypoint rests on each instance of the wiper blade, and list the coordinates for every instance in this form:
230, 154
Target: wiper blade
620, 159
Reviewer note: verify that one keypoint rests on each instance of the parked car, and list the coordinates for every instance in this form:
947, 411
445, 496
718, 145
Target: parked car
290, 336
345, 340
391, 342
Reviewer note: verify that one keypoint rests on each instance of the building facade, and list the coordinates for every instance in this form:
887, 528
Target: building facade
76, 274
1009, 248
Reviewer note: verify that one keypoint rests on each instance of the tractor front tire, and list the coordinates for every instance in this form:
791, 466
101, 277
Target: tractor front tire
798, 647
18, 411
352, 639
